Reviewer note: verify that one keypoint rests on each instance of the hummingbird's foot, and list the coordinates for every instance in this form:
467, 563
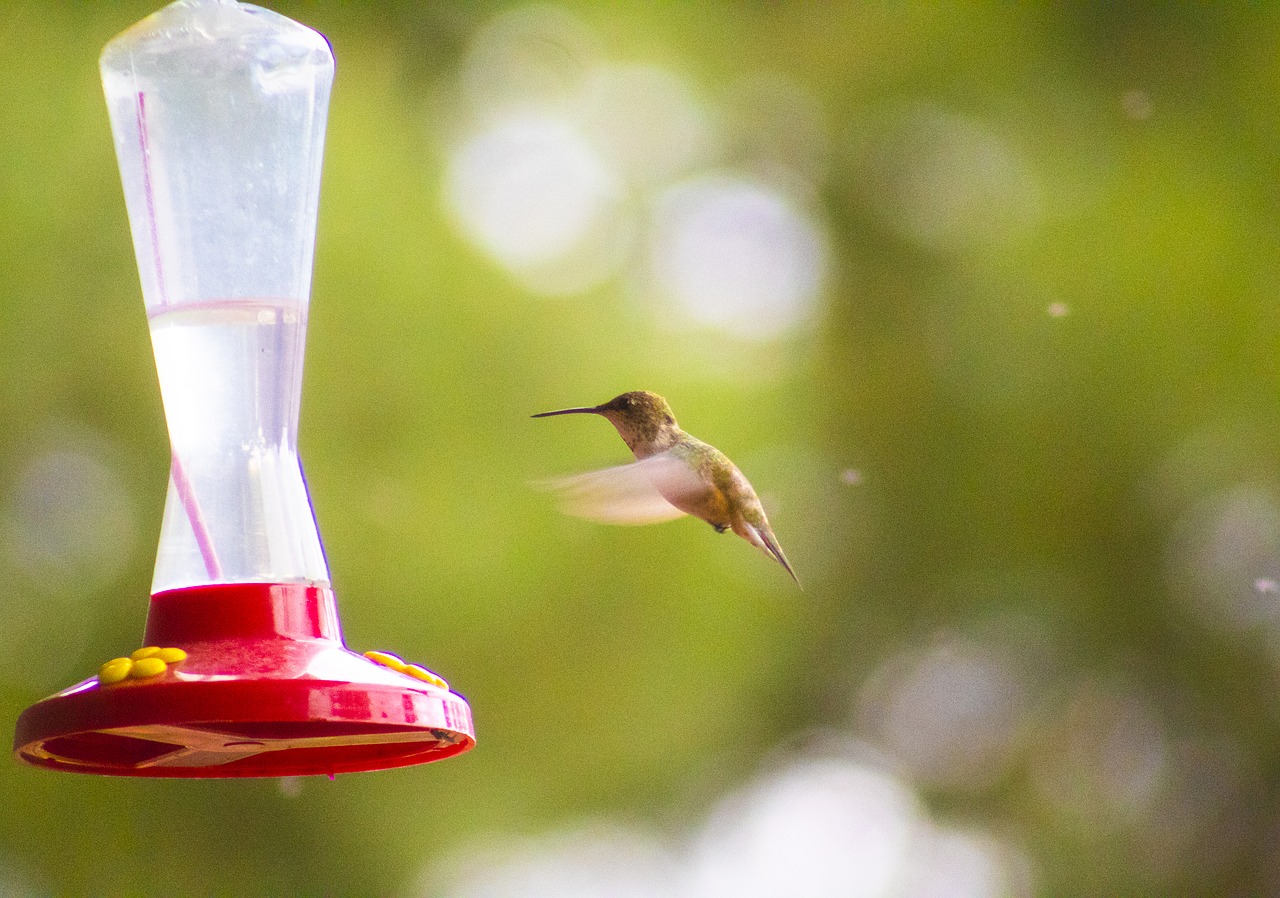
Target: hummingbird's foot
720, 528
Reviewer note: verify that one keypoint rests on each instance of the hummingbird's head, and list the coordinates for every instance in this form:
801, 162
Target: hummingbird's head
643, 420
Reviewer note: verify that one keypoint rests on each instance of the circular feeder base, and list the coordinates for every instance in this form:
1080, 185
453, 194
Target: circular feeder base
275, 693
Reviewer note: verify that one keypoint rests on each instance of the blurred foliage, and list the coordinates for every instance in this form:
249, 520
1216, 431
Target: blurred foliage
1041, 390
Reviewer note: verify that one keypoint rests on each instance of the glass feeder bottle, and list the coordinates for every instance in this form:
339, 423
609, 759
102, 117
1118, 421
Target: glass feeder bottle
219, 133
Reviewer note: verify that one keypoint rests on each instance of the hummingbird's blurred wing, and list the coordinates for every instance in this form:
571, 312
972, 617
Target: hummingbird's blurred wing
628, 494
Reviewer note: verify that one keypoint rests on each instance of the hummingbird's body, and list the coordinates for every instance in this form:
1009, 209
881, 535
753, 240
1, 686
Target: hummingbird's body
674, 474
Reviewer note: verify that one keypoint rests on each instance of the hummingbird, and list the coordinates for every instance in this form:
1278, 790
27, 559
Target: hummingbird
674, 474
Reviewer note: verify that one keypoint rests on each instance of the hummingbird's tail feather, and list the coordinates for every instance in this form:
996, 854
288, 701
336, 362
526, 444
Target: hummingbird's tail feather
625, 494
769, 543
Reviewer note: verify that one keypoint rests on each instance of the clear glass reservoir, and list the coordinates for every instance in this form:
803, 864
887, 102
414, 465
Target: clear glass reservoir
218, 112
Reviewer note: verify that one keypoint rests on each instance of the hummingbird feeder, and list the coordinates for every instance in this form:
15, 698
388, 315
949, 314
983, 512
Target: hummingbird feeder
218, 112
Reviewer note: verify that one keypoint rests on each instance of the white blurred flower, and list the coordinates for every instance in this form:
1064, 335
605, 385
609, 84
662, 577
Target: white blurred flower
738, 255
950, 712
821, 827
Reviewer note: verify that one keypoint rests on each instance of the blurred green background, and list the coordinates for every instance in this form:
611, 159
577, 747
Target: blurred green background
982, 299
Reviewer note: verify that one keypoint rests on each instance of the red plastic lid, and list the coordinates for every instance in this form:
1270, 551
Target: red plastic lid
266, 689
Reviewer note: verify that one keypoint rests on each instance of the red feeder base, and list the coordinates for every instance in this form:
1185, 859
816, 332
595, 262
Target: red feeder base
267, 689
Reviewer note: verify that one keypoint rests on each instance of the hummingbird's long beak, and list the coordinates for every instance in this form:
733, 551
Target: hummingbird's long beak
568, 411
